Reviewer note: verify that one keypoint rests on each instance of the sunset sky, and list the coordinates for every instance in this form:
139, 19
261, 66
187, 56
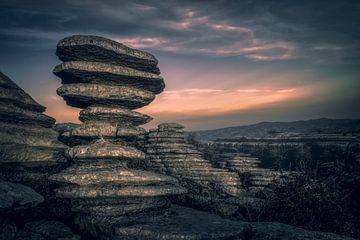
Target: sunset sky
225, 63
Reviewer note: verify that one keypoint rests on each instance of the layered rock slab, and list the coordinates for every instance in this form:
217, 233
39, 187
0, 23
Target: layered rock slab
109, 80
94, 48
84, 95
168, 152
108, 74
186, 223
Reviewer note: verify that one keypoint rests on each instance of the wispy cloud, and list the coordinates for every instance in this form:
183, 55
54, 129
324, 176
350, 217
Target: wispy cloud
203, 35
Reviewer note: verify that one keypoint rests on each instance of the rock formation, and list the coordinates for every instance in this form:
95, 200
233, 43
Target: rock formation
29, 149
167, 152
109, 80
253, 177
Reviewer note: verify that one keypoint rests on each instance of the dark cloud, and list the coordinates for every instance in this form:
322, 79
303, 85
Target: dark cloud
259, 30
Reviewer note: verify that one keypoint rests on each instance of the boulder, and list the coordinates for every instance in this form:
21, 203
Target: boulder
94, 48
15, 197
83, 95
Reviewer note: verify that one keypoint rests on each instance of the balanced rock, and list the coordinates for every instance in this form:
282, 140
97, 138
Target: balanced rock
99, 49
108, 80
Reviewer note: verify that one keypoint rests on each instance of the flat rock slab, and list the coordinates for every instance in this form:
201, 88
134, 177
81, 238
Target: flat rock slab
102, 149
14, 196
83, 95
93, 175
24, 154
121, 209
169, 126
53, 230
189, 224
108, 74
10, 92
29, 135
93, 48
97, 129
119, 115
13, 114
118, 192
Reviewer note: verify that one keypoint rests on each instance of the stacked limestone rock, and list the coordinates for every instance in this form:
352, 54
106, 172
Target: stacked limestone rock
167, 152
253, 176
109, 80
29, 149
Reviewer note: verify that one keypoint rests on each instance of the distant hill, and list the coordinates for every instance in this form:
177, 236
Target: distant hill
271, 129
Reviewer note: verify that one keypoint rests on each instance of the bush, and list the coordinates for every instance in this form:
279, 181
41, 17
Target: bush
315, 204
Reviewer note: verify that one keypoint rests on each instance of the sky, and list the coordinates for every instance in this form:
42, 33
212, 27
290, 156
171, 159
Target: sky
225, 63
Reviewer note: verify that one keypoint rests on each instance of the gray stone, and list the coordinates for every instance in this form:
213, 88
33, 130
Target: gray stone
120, 115
121, 209
51, 230
102, 149
103, 175
108, 74
83, 95
29, 135
93, 48
117, 191
11, 93
24, 154
14, 196
13, 114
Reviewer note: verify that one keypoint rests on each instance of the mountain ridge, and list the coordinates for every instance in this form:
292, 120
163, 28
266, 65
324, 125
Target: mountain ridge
269, 129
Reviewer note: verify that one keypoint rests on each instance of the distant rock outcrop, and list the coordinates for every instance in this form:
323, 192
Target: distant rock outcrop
167, 152
253, 177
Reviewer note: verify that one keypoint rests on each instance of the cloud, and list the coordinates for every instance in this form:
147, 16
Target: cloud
205, 36
257, 30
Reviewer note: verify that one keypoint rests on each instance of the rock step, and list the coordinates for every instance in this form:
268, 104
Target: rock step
83, 95
175, 157
94, 48
166, 140
122, 116
160, 135
98, 129
102, 149
92, 175
175, 151
29, 135
13, 114
118, 210
12, 93
108, 74
24, 177
169, 126
117, 191
24, 154
16, 196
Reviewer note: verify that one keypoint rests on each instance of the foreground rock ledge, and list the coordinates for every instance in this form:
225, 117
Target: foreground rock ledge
186, 223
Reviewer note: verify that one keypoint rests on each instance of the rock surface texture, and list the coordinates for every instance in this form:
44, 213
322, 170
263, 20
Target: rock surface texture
253, 177
167, 152
112, 197
29, 149
109, 80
